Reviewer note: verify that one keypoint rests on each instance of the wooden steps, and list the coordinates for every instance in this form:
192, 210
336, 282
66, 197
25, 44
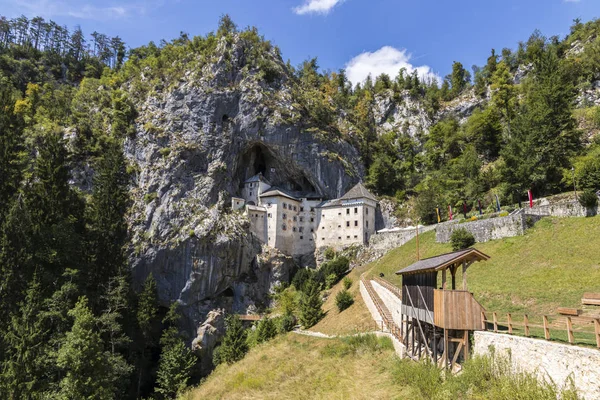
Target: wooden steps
385, 313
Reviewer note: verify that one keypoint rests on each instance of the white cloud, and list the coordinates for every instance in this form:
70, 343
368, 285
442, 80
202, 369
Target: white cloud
388, 60
316, 7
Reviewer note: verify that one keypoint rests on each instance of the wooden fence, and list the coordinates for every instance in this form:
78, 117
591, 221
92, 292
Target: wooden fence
510, 324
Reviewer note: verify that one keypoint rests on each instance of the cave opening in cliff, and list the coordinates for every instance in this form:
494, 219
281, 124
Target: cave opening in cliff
279, 170
227, 292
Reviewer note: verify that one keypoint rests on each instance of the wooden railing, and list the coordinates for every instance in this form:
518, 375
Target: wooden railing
386, 316
526, 326
392, 288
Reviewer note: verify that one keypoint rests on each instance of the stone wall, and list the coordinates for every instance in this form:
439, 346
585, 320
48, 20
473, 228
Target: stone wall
548, 360
391, 301
564, 209
383, 242
486, 229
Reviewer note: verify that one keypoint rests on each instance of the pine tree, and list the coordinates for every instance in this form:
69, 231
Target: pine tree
176, 359
234, 345
310, 304
146, 344
110, 200
543, 135
23, 370
266, 330
11, 160
87, 372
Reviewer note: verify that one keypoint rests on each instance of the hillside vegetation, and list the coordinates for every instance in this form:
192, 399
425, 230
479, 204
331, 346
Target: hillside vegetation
300, 367
551, 266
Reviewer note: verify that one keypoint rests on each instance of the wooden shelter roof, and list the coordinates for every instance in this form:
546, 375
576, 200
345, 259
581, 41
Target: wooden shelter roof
443, 261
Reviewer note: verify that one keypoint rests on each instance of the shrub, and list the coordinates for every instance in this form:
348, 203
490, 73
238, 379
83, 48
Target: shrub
588, 199
301, 277
330, 280
343, 300
329, 253
285, 323
265, 330
461, 239
347, 283
149, 197
503, 214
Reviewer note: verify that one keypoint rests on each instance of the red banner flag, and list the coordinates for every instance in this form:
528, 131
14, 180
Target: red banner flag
450, 212
530, 198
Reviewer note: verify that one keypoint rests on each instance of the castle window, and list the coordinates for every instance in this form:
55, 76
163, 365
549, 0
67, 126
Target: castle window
323, 215
323, 228
285, 206
312, 230
367, 210
294, 229
270, 215
355, 237
284, 216
284, 227
355, 223
301, 209
295, 208
339, 226
301, 219
348, 237
301, 237
339, 238
367, 224
295, 219
322, 238
339, 213
301, 229
347, 224
355, 210
250, 193
312, 209
312, 220
256, 215
347, 211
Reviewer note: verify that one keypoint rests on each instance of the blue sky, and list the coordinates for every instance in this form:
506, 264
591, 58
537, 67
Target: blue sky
362, 35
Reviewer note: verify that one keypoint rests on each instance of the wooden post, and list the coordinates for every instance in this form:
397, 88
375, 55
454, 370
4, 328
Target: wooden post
453, 272
570, 330
597, 331
483, 322
446, 349
546, 329
466, 338
464, 274
509, 323
495, 323
526, 323
434, 349
444, 279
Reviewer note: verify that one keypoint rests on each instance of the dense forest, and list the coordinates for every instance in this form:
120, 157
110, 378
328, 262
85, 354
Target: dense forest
71, 326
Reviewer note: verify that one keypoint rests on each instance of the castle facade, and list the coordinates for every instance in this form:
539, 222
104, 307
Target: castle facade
298, 223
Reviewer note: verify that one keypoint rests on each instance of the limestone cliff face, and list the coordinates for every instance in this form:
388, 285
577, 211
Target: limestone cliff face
196, 143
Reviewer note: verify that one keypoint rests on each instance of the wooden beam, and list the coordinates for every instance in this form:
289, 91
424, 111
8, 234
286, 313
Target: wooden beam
570, 330
483, 321
456, 353
509, 323
453, 272
467, 345
464, 275
495, 323
568, 311
446, 349
444, 279
526, 323
546, 328
597, 331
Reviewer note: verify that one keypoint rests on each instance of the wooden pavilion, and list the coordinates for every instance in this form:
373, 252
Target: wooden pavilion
436, 322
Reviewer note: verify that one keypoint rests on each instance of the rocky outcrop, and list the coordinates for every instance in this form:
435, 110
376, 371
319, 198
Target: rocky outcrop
208, 336
196, 141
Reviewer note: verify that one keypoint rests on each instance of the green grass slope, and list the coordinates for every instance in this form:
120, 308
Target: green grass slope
549, 267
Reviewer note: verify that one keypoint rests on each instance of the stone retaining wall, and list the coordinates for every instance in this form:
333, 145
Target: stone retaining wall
549, 361
486, 229
383, 242
391, 301
565, 209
